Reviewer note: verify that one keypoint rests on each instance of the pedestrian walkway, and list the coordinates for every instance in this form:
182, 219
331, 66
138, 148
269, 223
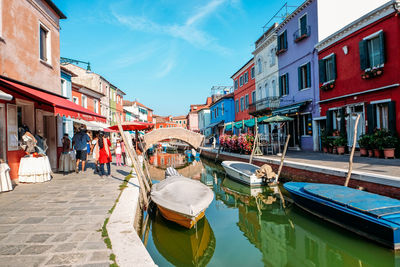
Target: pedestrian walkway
58, 223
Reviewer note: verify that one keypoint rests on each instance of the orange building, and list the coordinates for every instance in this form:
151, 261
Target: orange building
181, 121
86, 97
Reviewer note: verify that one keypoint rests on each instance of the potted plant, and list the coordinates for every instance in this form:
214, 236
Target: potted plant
324, 142
389, 146
340, 144
378, 141
364, 143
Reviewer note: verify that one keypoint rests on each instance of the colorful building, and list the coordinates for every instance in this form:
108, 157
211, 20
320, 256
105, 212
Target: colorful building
222, 111
204, 117
164, 122
193, 116
66, 91
244, 90
359, 74
138, 111
181, 121
119, 106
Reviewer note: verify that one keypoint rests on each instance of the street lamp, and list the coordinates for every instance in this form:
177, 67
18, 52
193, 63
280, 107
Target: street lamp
66, 61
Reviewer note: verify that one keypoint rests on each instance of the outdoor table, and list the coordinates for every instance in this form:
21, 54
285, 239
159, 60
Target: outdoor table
5, 181
34, 170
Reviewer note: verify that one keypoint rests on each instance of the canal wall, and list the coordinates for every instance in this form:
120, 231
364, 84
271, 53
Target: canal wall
305, 172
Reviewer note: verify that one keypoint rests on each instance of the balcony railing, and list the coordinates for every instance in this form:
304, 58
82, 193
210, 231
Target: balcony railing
267, 103
300, 35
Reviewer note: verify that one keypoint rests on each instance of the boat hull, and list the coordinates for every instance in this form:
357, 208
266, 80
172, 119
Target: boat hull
242, 177
360, 224
183, 220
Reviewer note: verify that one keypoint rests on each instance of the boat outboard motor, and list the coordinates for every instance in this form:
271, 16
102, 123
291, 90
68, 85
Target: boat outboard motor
170, 171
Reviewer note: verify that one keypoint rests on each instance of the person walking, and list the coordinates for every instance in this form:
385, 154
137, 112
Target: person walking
103, 154
79, 142
123, 151
118, 153
96, 162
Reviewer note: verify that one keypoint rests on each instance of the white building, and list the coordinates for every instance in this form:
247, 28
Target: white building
138, 111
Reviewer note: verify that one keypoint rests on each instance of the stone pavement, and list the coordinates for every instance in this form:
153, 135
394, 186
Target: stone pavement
58, 223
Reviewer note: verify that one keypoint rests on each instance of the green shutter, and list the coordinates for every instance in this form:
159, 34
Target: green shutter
329, 122
279, 43
280, 86
371, 114
382, 47
322, 75
334, 66
308, 74
392, 117
342, 122
299, 80
364, 64
287, 83
285, 39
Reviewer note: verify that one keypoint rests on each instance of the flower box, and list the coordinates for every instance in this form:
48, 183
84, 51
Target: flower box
372, 73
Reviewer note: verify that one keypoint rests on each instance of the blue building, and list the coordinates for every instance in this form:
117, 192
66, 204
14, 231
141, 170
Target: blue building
204, 121
66, 91
222, 111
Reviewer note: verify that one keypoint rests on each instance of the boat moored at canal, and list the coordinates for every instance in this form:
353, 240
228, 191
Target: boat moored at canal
243, 172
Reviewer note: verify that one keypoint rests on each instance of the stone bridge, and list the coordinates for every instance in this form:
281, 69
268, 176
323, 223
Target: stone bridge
158, 135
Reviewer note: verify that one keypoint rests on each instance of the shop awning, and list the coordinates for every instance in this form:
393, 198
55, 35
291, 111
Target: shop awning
61, 106
220, 123
228, 126
239, 124
250, 123
261, 119
290, 109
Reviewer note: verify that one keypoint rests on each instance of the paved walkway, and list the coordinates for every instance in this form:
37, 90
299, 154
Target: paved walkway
58, 223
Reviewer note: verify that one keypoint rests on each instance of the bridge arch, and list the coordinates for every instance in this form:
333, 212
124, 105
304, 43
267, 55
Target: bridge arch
158, 135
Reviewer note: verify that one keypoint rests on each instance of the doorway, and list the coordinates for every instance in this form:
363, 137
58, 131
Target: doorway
49, 132
353, 111
3, 154
292, 129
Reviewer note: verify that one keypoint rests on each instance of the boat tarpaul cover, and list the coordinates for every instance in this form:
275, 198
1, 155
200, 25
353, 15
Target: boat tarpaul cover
182, 195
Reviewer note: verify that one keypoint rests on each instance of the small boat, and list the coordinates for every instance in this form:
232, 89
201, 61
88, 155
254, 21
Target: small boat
370, 215
243, 172
181, 199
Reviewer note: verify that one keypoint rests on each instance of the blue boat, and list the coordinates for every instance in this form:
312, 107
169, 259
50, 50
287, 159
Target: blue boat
373, 216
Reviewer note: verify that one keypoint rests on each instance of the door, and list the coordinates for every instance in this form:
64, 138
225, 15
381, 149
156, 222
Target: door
353, 111
292, 129
3, 154
50, 133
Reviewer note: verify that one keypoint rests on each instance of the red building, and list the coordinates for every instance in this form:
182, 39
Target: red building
244, 90
164, 122
86, 97
359, 74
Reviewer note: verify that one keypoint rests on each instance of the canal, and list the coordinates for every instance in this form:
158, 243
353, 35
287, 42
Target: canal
244, 227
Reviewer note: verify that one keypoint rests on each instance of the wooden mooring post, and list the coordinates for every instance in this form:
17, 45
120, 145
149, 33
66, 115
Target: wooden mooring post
352, 151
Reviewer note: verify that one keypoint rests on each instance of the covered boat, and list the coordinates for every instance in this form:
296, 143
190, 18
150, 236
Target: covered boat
373, 216
182, 200
249, 174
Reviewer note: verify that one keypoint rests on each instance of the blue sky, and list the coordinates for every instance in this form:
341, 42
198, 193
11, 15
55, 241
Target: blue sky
167, 54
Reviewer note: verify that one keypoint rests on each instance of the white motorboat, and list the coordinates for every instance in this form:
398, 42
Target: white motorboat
243, 172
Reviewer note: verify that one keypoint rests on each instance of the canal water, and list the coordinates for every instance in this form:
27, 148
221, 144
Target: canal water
244, 227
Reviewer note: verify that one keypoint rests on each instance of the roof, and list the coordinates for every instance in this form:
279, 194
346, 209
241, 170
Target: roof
90, 89
131, 103
293, 14
64, 69
224, 97
241, 68
120, 92
55, 8
179, 117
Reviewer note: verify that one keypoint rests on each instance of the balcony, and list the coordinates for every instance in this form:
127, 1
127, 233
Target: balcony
264, 105
300, 35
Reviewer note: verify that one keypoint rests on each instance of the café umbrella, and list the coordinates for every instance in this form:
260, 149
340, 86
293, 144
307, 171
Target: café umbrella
277, 118
133, 126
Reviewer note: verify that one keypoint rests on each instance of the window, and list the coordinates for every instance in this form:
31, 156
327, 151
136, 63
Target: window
236, 84
237, 105
241, 104
96, 105
240, 80
372, 51
272, 56
306, 124
303, 25
222, 109
259, 65
304, 76
282, 42
101, 87
64, 88
259, 92
327, 69
246, 101
44, 44
253, 96
246, 77
273, 88
266, 89
284, 85
382, 115
252, 74
75, 100
84, 101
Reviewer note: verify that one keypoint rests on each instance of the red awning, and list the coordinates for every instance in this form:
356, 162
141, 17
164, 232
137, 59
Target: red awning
133, 126
61, 106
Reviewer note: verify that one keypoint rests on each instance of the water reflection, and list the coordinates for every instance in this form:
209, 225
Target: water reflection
255, 227
184, 247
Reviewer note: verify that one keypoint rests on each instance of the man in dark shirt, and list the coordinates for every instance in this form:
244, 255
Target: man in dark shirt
79, 141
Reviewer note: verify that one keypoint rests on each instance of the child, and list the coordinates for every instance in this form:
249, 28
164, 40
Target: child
118, 152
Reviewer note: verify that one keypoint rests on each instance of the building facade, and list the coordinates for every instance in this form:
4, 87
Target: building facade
193, 116
181, 121
359, 74
66, 91
138, 111
244, 90
204, 122
221, 112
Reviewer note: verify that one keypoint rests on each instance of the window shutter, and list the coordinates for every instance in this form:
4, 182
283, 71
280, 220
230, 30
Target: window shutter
382, 47
302, 119
279, 43
329, 122
371, 113
321, 68
342, 122
334, 66
285, 39
280, 86
392, 117
363, 54
299, 78
287, 83
308, 74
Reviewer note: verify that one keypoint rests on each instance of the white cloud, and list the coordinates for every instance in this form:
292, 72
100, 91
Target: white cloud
165, 68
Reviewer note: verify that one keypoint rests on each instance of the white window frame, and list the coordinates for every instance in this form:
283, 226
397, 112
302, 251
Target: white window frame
96, 105
299, 22
12, 130
272, 58
84, 101
48, 44
64, 90
301, 66
259, 65
286, 90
